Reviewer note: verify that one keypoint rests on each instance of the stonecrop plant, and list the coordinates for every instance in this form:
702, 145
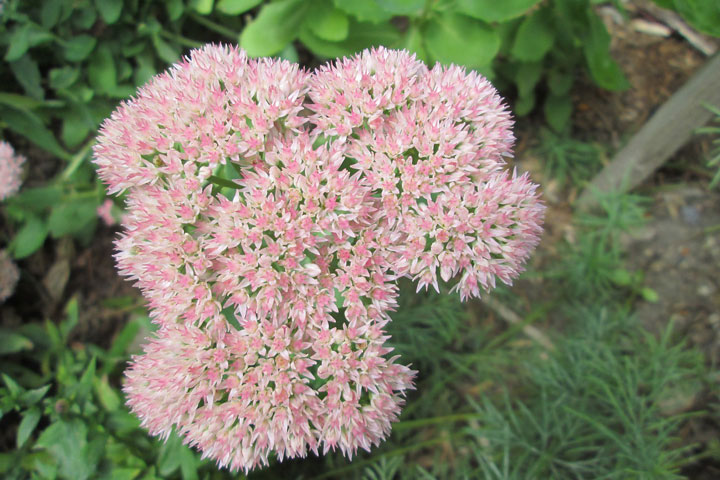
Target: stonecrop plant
270, 212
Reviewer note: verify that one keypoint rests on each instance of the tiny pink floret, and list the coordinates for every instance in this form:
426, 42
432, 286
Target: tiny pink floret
10, 171
270, 212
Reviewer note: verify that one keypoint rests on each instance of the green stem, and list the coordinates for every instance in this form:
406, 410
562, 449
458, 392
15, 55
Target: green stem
422, 422
76, 160
223, 182
184, 41
215, 27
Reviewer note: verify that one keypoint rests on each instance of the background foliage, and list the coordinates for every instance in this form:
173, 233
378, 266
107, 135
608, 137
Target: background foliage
489, 403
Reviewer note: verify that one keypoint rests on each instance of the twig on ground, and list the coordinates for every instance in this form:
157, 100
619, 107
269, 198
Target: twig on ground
513, 318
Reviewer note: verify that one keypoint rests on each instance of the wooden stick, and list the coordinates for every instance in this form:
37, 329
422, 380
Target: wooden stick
511, 317
669, 129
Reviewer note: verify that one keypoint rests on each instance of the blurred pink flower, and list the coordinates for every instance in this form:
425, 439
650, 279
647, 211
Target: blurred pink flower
270, 213
10, 171
104, 211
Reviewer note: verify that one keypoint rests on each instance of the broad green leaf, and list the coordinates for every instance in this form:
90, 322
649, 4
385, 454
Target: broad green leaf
453, 38
110, 10
175, 9
236, 7
30, 126
63, 77
361, 35
20, 102
30, 419
145, 68
79, 47
604, 70
67, 443
276, 25
37, 199
290, 53
527, 76
524, 104
72, 314
168, 459
165, 51
203, 7
27, 74
329, 23
19, 43
74, 128
560, 82
495, 10
403, 7
11, 342
557, 111
415, 44
29, 238
534, 37
50, 13
365, 10
107, 395
702, 14
84, 18
85, 384
71, 216
102, 73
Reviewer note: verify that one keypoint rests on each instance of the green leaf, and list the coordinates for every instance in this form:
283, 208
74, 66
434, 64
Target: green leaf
236, 7
71, 216
203, 7
31, 397
20, 102
495, 10
107, 395
702, 14
560, 82
289, 53
74, 128
168, 459
19, 43
527, 76
30, 238
30, 419
534, 38
414, 43
557, 111
165, 51
175, 9
649, 295
145, 68
276, 25
27, 74
30, 126
604, 70
360, 36
365, 10
329, 23
72, 313
63, 77
79, 47
403, 7
524, 104
453, 38
67, 443
102, 73
37, 199
85, 384
110, 10
11, 342
50, 14
12, 386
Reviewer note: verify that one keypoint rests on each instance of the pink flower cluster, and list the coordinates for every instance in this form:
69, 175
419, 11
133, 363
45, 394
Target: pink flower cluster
10, 171
270, 213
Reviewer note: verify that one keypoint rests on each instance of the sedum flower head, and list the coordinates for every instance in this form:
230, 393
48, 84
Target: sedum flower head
10, 171
270, 212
